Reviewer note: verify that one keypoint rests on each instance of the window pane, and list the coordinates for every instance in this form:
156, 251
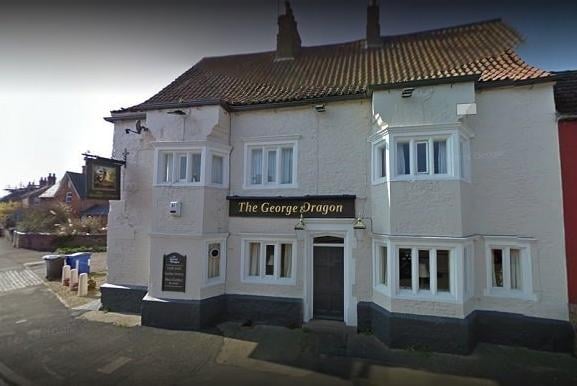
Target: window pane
254, 259
515, 269
383, 279
269, 262
256, 166
286, 260
382, 161
271, 166
440, 153
167, 167
213, 260
182, 167
286, 166
424, 270
497, 267
422, 156
443, 271
405, 269
403, 159
217, 167
195, 166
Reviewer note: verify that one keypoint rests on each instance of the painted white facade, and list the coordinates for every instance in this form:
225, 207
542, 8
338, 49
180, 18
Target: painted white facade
508, 194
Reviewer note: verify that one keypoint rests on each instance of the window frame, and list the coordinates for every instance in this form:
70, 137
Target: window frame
262, 278
206, 152
377, 161
221, 278
432, 292
377, 267
68, 197
177, 153
525, 259
266, 147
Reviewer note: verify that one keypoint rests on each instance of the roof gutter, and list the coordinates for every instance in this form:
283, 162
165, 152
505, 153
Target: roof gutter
304, 102
425, 82
517, 83
115, 117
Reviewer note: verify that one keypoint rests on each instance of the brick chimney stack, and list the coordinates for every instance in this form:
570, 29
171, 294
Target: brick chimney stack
373, 25
288, 40
51, 180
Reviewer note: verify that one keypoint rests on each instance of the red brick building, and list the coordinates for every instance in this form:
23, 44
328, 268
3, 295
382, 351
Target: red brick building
71, 190
566, 104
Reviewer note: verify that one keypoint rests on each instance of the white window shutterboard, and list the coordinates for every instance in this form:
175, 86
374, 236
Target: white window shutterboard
268, 261
191, 166
509, 268
413, 153
270, 165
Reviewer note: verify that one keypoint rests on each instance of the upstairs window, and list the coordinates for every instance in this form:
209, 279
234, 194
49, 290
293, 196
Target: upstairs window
271, 165
68, 198
380, 162
179, 167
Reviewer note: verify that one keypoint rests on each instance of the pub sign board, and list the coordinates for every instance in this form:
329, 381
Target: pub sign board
102, 179
174, 272
309, 206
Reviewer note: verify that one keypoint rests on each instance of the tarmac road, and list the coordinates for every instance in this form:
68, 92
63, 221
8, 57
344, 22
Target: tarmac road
44, 343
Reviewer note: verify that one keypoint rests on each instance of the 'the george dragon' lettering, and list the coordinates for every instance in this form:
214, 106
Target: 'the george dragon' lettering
309, 206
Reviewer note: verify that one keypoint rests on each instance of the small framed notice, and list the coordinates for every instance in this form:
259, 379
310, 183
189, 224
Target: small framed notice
174, 272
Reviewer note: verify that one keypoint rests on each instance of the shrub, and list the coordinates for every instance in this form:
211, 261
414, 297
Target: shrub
8, 212
70, 250
44, 218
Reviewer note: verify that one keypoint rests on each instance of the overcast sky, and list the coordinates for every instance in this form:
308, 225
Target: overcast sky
65, 65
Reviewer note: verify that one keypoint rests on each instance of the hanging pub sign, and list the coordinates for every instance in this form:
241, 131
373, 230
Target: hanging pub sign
174, 272
309, 206
102, 178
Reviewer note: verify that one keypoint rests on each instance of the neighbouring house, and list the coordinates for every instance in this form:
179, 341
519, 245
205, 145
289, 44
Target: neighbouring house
29, 195
566, 103
407, 185
71, 190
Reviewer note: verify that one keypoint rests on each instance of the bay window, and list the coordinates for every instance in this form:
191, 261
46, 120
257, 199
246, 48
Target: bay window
425, 270
183, 166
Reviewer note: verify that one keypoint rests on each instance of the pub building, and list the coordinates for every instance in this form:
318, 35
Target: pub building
406, 185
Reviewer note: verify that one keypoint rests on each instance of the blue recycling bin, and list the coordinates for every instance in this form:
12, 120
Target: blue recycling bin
80, 260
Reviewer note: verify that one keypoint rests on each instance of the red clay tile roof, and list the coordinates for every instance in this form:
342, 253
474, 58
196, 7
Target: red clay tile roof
483, 49
566, 92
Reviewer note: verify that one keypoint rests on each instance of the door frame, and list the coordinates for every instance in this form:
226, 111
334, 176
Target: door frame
342, 228
340, 246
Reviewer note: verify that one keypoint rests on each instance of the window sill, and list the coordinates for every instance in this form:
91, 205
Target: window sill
444, 297
213, 282
270, 186
509, 294
269, 281
382, 289
179, 185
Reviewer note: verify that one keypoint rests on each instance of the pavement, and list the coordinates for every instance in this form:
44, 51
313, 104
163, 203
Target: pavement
42, 342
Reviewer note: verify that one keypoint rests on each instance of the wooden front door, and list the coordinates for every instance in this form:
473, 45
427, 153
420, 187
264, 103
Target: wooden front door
328, 293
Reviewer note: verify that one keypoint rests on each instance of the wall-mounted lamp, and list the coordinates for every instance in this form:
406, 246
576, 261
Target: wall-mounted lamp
359, 228
176, 112
300, 228
320, 108
407, 92
139, 128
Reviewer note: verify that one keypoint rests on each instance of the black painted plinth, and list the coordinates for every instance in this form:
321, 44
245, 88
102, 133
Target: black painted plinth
183, 314
206, 313
460, 336
122, 298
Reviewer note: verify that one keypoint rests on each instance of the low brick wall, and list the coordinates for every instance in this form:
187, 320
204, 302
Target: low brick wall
50, 242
